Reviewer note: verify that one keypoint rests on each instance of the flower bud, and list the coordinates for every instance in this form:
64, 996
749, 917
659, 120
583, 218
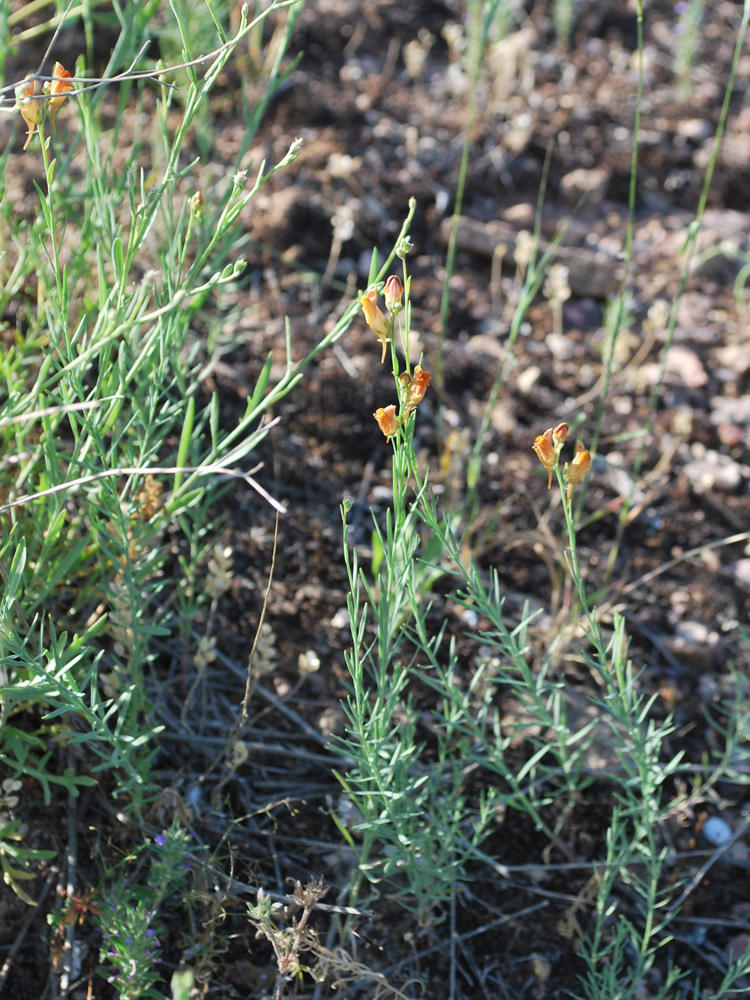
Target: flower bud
392, 292
559, 434
387, 420
196, 204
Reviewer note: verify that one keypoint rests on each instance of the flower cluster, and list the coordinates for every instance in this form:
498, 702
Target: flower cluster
414, 386
219, 571
548, 447
380, 324
31, 106
131, 944
8, 799
411, 387
129, 918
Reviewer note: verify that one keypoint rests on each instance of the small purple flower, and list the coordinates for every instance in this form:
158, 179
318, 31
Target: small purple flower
680, 7
161, 839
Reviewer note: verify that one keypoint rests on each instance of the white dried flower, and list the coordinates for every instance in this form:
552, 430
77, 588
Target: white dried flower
237, 755
657, 317
264, 659
206, 652
8, 799
556, 286
308, 662
525, 249
219, 571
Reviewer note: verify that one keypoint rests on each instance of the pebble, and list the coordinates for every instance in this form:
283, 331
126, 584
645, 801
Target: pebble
714, 471
694, 129
716, 831
730, 410
582, 314
686, 365
589, 183
742, 572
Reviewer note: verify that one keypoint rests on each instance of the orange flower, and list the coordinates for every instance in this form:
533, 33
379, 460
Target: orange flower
376, 318
387, 420
546, 452
417, 388
578, 468
392, 293
30, 108
59, 89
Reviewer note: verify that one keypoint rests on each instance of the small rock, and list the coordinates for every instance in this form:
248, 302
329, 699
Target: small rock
527, 378
716, 831
730, 435
561, 347
730, 410
742, 572
521, 216
695, 645
340, 619
714, 471
694, 129
736, 357
686, 365
582, 314
591, 183
503, 420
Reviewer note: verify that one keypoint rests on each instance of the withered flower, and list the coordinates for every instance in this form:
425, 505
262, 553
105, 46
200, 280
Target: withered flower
577, 469
417, 388
376, 318
546, 452
30, 108
387, 420
58, 89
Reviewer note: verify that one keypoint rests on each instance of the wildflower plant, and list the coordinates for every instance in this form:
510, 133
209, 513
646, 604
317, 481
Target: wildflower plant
412, 802
128, 914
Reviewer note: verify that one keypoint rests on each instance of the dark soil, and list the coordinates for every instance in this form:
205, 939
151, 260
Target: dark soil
559, 110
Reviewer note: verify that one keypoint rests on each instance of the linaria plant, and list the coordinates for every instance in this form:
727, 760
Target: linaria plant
416, 821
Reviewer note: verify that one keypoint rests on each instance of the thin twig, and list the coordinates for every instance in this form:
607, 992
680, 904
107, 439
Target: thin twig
150, 470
